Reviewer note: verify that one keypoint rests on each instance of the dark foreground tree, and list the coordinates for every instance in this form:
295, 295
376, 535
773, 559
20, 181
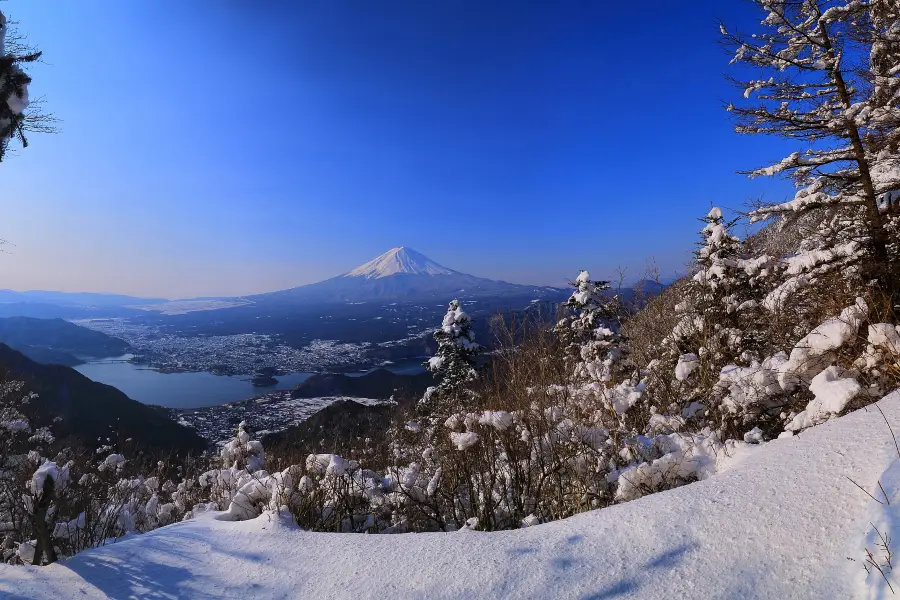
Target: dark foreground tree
15, 116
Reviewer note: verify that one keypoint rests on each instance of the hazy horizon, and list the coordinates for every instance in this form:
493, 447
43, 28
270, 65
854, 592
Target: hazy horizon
629, 280
511, 142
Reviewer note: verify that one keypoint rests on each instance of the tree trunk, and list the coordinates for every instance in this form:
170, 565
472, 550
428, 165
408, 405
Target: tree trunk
874, 223
41, 532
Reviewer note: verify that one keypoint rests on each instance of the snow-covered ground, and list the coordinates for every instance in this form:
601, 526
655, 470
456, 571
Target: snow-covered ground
777, 521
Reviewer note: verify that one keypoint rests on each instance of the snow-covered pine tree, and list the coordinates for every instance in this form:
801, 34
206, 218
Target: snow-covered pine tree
453, 364
586, 330
725, 294
14, 120
716, 326
831, 83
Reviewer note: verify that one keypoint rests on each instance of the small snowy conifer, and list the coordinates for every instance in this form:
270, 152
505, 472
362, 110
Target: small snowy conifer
716, 311
586, 331
453, 362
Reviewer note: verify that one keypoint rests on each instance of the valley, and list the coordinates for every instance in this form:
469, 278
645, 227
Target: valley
381, 314
200, 357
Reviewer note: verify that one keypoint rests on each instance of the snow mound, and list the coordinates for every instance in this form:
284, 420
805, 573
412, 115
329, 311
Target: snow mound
687, 363
399, 261
778, 520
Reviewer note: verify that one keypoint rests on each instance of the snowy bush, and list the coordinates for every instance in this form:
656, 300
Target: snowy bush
56, 501
242, 460
717, 329
243, 453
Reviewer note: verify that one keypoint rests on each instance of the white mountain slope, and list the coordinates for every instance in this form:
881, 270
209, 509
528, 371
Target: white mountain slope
777, 521
404, 274
399, 261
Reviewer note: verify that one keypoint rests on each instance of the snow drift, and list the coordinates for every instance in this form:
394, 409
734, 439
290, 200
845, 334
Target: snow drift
778, 520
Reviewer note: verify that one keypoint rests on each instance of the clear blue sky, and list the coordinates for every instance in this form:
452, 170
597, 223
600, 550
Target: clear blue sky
221, 147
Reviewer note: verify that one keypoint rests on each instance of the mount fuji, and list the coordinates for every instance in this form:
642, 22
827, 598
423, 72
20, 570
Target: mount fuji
400, 261
405, 274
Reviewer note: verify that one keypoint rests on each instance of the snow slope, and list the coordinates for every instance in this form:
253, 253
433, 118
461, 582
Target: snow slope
399, 261
778, 521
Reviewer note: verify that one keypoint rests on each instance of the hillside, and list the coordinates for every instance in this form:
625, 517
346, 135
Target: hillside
56, 341
777, 521
90, 411
380, 384
47, 356
338, 425
335, 428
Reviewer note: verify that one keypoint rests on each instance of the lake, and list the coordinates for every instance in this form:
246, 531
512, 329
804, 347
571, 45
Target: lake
190, 390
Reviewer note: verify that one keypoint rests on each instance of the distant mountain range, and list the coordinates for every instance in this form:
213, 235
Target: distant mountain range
403, 274
400, 274
80, 299
43, 304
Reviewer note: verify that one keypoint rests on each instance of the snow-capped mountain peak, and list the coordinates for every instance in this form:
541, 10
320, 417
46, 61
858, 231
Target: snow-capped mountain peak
404, 274
399, 261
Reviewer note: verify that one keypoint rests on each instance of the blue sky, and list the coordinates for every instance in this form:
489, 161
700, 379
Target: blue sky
217, 147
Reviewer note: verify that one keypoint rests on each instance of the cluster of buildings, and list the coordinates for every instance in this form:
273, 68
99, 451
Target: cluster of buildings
272, 412
238, 354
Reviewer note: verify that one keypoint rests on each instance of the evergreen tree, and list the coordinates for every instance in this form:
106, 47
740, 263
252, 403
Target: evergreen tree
721, 292
453, 363
834, 88
586, 331
717, 320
